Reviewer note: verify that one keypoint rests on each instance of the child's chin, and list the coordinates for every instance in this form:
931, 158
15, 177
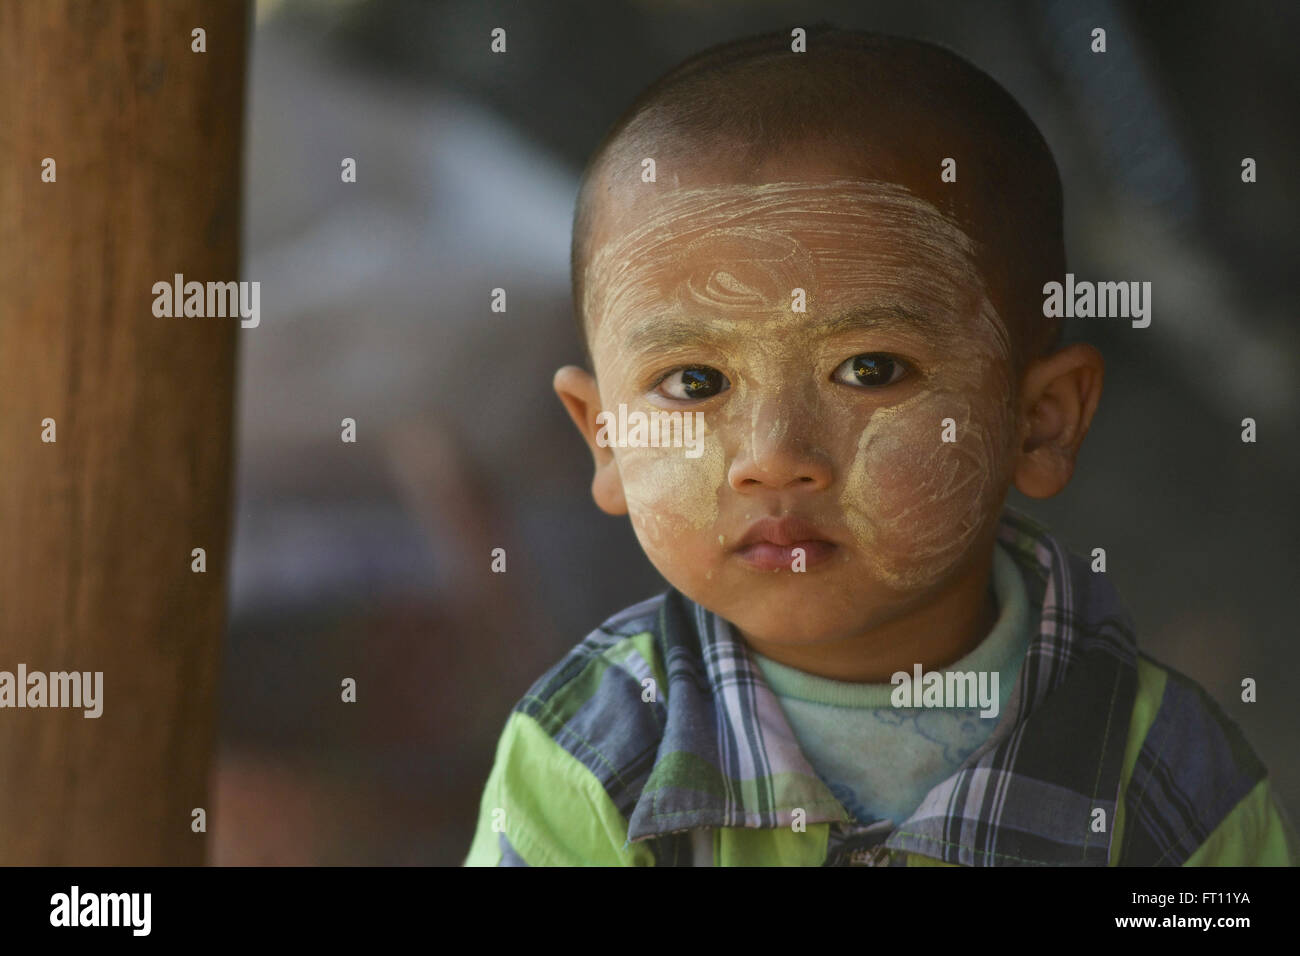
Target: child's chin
789, 618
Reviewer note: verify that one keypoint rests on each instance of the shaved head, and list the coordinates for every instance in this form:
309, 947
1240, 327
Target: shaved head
854, 106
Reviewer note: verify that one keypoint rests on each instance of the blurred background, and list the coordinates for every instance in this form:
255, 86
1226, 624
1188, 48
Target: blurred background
370, 560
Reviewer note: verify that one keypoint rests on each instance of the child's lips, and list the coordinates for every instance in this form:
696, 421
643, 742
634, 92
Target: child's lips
769, 543
767, 556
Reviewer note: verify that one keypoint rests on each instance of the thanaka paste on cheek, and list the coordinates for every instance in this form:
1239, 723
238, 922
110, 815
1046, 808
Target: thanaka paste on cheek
668, 494
915, 503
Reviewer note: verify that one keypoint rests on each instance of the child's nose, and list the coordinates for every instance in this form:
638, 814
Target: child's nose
781, 454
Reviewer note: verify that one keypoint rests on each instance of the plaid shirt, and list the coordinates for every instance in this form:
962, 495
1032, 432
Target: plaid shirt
656, 741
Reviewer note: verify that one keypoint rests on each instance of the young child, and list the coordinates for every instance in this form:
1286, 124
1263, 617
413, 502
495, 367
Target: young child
820, 274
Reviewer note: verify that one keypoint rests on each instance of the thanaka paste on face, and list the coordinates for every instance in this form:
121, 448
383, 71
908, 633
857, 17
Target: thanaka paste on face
730, 256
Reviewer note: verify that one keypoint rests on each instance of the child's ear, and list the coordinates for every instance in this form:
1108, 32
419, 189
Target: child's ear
1059, 394
577, 390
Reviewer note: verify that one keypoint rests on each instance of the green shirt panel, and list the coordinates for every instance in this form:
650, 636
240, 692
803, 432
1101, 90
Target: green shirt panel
556, 813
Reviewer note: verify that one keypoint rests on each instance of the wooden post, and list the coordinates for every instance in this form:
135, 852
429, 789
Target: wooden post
97, 527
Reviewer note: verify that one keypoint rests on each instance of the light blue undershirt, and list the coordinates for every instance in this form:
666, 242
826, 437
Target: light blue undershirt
878, 760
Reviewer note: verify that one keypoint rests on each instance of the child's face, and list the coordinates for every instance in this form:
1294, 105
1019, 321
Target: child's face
836, 414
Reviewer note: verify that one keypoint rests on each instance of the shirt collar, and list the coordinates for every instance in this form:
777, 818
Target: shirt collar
1030, 794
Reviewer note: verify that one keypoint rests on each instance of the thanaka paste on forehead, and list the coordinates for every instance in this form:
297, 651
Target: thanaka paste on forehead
620, 275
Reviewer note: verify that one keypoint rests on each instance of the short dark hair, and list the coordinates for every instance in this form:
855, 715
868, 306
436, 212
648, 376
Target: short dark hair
848, 87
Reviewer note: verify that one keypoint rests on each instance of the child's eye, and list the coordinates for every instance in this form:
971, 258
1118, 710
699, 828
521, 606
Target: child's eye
694, 381
870, 369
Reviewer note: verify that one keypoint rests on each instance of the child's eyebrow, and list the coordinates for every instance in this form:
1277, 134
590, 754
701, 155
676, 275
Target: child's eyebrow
664, 333
887, 318
654, 334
